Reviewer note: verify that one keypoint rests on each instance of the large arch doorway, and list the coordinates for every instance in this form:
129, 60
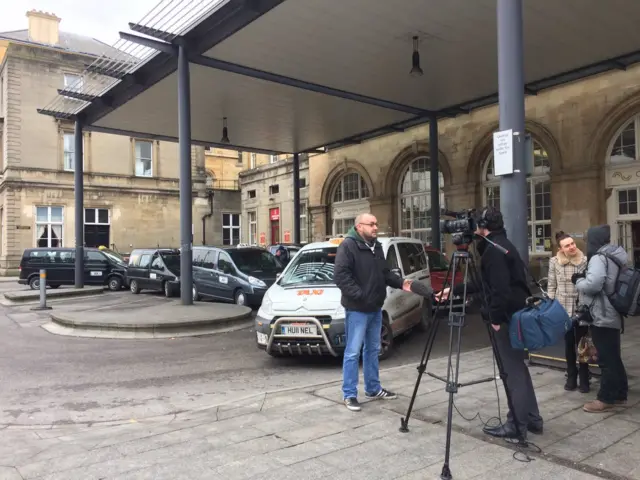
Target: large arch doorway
349, 198
414, 200
623, 181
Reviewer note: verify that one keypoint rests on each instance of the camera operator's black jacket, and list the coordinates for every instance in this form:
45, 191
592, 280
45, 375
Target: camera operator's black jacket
503, 277
362, 275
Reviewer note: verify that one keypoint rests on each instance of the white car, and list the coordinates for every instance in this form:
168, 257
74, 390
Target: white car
301, 312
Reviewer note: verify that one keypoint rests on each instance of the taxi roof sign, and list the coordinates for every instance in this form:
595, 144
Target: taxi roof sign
336, 240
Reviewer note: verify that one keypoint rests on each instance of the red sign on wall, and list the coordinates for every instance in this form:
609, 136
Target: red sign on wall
287, 236
274, 214
263, 238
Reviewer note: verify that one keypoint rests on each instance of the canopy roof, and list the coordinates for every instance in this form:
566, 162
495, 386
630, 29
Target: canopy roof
299, 75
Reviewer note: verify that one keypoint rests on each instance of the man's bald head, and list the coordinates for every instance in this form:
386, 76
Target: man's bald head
367, 226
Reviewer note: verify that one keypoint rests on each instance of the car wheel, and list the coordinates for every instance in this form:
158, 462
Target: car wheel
426, 315
195, 293
168, 291
115, 284
386, 339
240, 298
34, 283
133, 286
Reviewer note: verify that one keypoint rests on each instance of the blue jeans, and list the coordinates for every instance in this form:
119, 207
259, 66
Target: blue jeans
361, 328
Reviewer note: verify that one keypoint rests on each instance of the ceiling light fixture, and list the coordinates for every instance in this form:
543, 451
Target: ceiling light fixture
225, 132
416, 71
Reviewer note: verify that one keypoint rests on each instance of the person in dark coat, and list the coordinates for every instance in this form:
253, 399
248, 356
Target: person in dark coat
362, 275
504, 282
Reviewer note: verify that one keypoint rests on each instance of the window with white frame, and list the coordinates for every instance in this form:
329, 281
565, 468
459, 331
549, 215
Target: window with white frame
73, 82
253, 228
144, 158
230, 228
49, 225
273, 158
538, 189
625, 148
415, 200
351, 189
628, 201
252, 160
239, 157
303, 223
69, 151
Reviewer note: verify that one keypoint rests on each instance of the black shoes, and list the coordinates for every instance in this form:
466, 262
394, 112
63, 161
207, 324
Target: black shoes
572, 381
508, 430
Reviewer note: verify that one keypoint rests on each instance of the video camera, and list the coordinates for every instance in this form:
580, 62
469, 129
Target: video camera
462, 228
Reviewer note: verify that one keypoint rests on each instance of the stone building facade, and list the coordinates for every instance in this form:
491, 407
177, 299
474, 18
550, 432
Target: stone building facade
585, 169
267, 202
131, 192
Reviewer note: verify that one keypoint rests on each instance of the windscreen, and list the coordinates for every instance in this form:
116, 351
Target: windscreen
311, 266
251, 261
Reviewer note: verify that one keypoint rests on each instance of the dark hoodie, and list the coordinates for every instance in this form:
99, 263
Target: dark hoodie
362, 275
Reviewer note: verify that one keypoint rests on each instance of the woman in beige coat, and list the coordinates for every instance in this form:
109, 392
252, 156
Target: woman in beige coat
568, 261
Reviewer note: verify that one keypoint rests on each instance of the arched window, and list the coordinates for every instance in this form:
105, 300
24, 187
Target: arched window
415, 200
349, 198
538, 188
622, 206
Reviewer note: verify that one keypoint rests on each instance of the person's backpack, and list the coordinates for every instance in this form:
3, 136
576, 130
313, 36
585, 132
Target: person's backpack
627, 288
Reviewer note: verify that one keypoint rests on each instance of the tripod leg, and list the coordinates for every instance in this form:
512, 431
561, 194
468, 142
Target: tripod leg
433, 331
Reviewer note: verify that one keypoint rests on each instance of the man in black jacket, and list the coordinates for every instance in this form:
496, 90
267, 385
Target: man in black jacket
504, 282
362, 275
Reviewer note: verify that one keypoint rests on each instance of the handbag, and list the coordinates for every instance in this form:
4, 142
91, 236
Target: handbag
587, 352
542, 323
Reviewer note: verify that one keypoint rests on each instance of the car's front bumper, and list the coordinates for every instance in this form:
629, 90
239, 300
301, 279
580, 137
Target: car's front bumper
328, 340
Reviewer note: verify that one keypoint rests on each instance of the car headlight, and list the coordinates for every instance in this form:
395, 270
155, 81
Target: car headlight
266, 309
256, 282
339, 313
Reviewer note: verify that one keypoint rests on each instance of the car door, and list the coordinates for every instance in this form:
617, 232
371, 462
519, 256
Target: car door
225, 269
409, 305
142, 270
96, 267
208, 277
157, 272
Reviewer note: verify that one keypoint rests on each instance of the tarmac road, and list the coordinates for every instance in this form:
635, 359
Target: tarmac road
49, 379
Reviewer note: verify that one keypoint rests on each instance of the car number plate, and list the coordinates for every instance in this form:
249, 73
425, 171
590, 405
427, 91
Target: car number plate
299, 330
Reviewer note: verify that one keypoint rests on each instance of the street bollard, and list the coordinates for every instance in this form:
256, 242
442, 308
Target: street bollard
43, 291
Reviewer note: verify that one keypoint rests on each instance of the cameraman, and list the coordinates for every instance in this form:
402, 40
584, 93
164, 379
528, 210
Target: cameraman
505, 284
594, 286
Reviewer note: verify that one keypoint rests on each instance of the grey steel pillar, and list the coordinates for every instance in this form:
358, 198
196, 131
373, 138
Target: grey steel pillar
186, 200
435, 182
78, 177
296, 198
513, 188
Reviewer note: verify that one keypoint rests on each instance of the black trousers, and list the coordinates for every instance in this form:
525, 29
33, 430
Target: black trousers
518, 383
571, 339
613, 382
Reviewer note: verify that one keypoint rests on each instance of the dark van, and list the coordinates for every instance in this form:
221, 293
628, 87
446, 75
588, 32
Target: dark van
154, 269
235, 274
100, 267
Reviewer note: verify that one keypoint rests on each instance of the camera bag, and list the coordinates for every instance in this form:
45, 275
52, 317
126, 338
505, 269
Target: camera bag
542, 323
627, 288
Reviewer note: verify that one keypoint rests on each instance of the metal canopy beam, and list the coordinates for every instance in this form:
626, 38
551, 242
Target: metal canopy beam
54, 114
77, 95
150, 43
303, 85
152, 32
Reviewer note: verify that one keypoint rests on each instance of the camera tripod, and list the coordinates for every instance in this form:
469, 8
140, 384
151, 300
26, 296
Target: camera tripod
462, 259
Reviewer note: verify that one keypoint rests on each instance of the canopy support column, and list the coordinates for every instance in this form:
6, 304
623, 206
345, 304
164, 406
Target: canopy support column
435, 182
186, 196
296, 198
78, 180
513, 188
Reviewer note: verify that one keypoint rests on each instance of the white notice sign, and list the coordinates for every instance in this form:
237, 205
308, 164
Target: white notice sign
503, 152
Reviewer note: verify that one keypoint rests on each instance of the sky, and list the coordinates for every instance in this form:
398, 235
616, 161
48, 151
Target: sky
79, 16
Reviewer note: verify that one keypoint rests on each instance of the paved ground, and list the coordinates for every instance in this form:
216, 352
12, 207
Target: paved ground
49, 379
307, 434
